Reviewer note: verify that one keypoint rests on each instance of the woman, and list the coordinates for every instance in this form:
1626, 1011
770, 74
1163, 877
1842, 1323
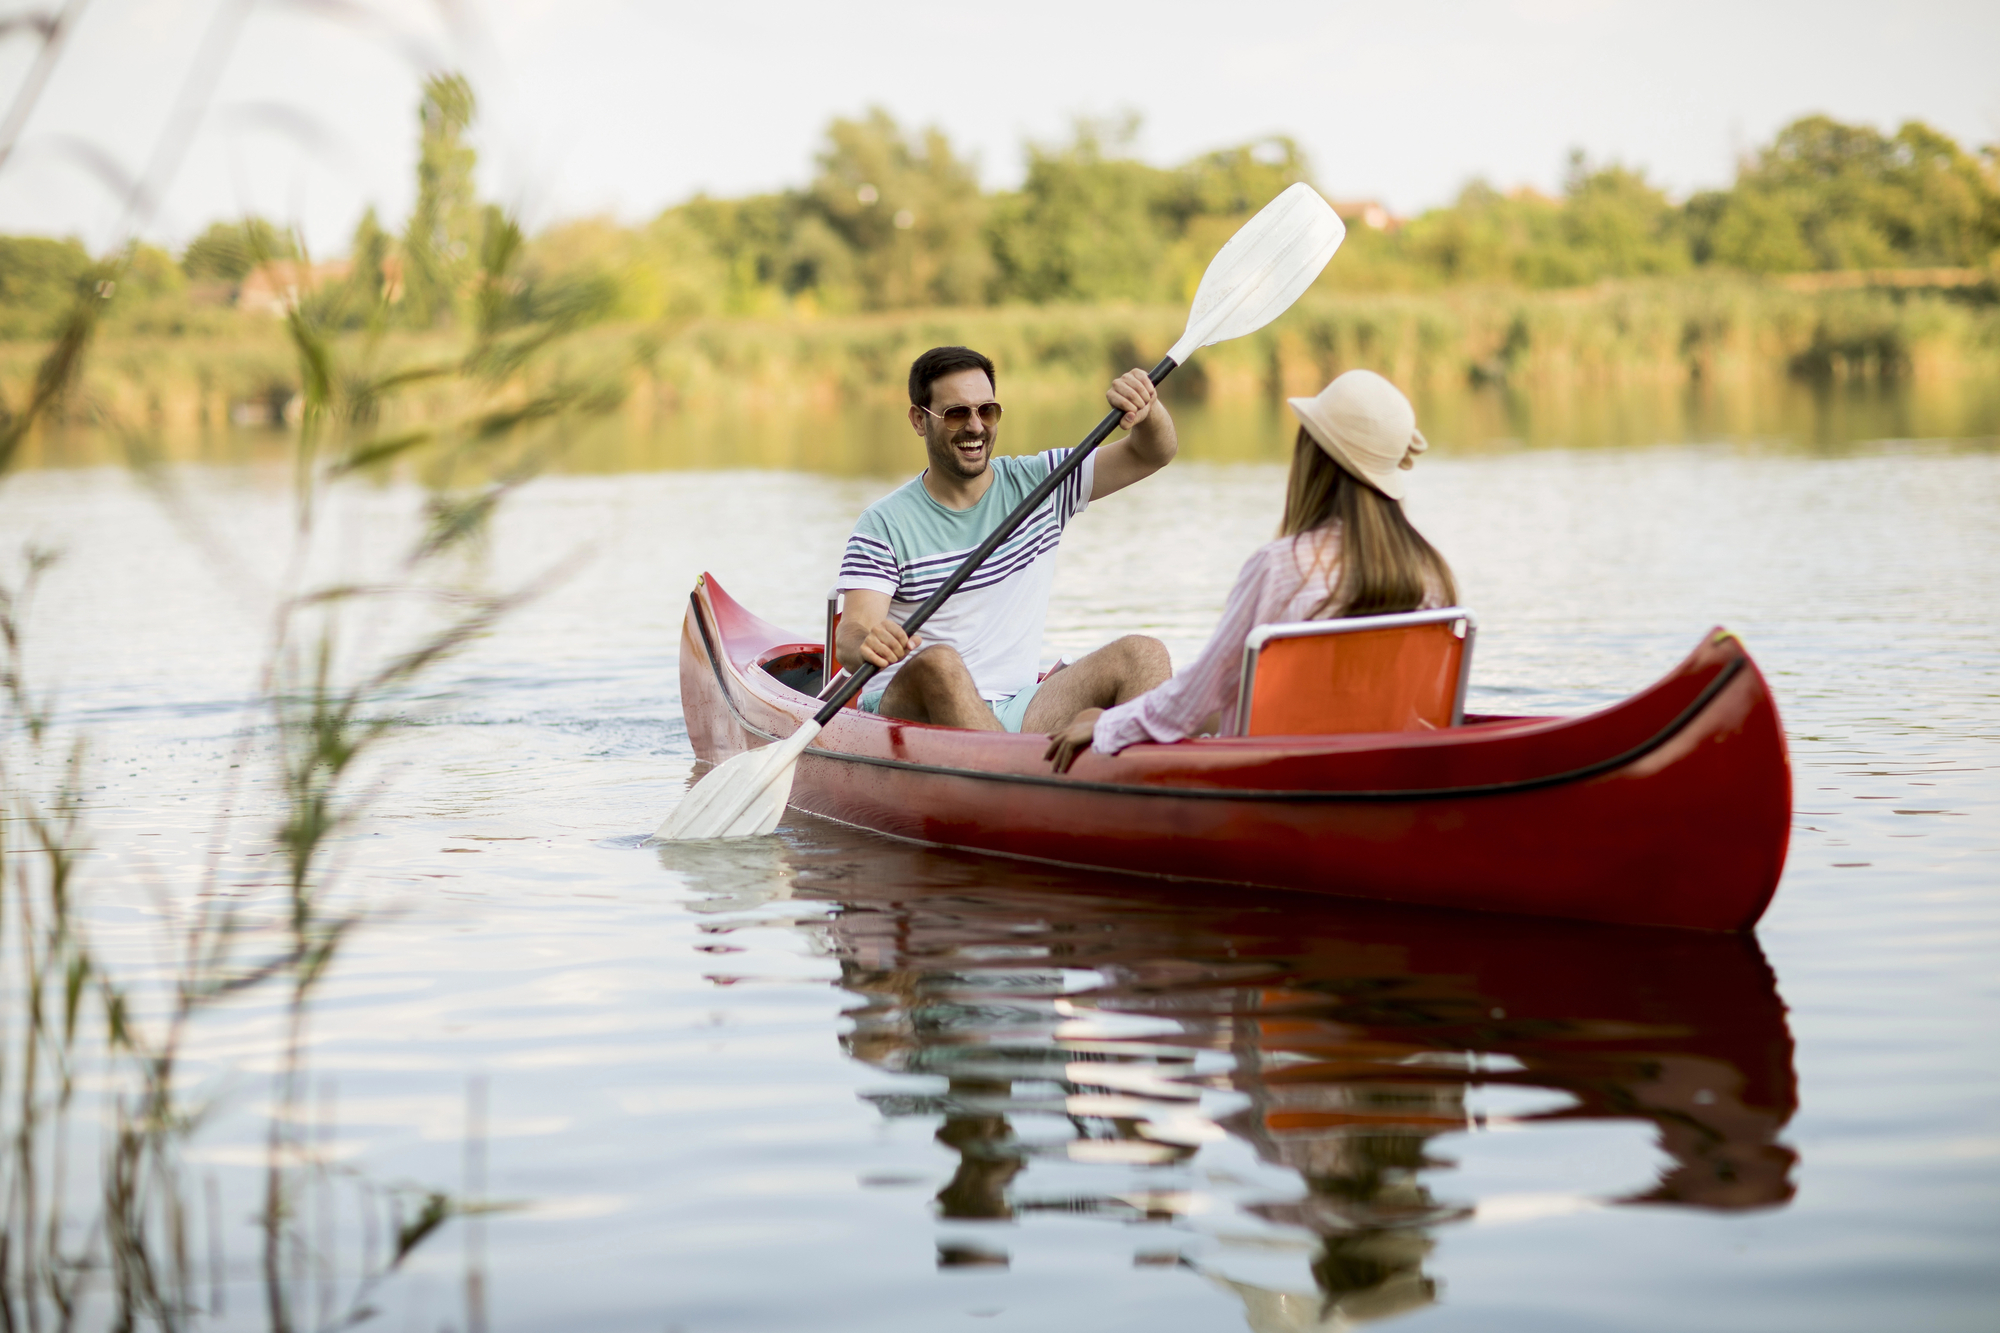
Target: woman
1344, 549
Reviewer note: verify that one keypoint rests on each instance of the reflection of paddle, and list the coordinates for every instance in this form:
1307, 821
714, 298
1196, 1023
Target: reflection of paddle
1250, 282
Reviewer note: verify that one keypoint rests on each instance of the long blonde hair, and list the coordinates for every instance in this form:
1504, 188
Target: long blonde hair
1385, 564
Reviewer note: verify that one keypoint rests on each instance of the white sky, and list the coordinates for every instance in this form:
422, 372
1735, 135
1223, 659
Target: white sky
625, 106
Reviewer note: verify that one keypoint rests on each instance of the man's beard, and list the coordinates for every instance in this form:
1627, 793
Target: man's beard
949, 457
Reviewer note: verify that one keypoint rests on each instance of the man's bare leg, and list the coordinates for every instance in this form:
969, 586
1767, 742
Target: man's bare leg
1116, 673
934, 686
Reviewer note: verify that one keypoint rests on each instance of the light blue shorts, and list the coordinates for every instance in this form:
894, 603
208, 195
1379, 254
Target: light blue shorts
1010, 710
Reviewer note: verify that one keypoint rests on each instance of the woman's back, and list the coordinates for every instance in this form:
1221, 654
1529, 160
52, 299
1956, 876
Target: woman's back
1346, 549
1286, 580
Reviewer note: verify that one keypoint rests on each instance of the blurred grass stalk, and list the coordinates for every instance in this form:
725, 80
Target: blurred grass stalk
473, 415
331, 706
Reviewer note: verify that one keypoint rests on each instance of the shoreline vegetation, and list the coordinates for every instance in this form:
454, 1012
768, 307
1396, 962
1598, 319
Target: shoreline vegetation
1679, 333
1841, 255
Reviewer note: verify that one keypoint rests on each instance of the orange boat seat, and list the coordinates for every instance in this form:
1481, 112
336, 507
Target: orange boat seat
1403, 672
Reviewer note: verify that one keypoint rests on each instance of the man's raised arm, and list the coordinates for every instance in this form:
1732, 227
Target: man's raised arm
1151, 444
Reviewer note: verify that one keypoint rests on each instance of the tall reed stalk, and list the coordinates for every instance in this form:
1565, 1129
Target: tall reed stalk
105, 1239
334, 689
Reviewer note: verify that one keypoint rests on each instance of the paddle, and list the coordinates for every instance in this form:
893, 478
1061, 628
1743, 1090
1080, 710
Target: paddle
1251, 281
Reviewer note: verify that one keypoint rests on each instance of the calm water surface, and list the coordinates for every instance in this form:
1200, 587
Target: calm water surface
828, 1081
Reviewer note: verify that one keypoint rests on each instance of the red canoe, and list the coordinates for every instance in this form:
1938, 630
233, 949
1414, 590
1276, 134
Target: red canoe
1672, 808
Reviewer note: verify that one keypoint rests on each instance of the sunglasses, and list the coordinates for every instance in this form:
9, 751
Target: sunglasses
958, 418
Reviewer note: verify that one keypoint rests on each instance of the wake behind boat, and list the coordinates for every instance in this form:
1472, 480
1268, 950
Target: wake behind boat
1671, 808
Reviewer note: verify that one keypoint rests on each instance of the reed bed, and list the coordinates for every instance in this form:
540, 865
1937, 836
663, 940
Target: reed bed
1664, 333
94, 1115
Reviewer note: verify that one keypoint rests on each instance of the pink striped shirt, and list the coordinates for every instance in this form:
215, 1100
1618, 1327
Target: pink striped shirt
1282, 581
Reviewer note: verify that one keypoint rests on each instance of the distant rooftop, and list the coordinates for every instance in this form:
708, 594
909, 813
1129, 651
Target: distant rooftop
1369, 213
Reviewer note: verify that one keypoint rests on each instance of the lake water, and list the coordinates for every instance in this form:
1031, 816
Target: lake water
828, 1081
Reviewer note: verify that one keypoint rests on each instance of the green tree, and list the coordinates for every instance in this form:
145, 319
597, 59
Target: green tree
227, 251
908, 209
1757, 233
38, 283
678, 274
1615, 225
1487, 236
150, 296
1231, 182
1090, 222
762, 251
1828, 195
368, 259
1944, 203
440, 244
1205, 200
152, 274
1700, 215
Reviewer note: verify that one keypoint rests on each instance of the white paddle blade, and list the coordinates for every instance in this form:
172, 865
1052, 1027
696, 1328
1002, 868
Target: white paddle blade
743, 797
1262, 269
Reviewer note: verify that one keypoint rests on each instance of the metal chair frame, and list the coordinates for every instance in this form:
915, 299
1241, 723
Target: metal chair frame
830, 668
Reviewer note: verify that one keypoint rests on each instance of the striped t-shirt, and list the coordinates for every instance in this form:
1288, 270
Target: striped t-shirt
906, 544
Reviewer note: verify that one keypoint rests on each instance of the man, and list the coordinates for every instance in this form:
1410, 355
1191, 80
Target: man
974, 663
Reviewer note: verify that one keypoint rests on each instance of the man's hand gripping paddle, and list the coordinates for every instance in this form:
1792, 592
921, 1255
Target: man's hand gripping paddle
1250, 282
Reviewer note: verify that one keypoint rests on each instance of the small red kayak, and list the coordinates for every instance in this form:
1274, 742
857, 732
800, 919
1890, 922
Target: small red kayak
1671, 808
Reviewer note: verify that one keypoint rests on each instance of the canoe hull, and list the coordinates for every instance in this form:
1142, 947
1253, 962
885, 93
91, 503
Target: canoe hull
1672, 809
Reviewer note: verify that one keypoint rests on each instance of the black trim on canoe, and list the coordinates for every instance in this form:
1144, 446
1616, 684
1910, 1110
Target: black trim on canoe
1633, 755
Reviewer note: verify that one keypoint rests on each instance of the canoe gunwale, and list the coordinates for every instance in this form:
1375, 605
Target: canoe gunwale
1597, 768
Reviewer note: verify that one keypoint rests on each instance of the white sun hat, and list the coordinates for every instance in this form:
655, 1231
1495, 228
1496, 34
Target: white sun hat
1365, 424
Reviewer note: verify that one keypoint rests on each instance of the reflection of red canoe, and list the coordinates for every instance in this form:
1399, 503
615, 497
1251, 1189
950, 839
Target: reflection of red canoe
1672, 808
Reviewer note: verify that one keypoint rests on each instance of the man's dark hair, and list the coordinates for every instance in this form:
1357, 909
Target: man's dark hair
935, 364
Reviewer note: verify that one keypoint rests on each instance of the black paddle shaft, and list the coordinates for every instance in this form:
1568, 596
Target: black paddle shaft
1042, 491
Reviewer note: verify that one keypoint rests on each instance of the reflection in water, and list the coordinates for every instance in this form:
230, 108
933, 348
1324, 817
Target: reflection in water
1061, 1022
866, 436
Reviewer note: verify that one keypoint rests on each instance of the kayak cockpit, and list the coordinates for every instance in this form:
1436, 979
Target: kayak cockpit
799, 666
796, 666
1344, 676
